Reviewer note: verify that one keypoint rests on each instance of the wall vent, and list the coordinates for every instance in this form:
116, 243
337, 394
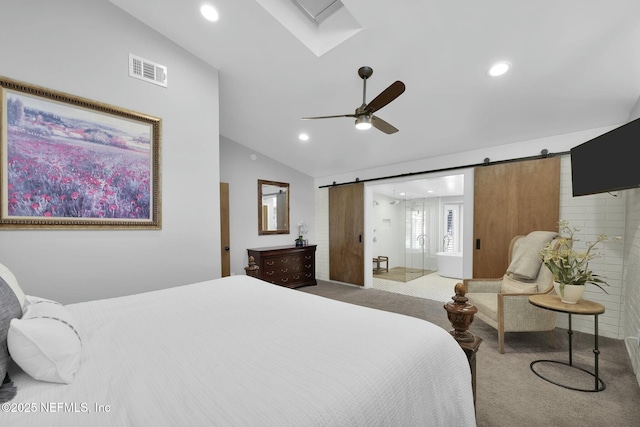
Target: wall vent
148, 71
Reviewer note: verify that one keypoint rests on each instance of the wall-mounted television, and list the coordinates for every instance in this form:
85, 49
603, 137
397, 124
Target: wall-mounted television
608, 162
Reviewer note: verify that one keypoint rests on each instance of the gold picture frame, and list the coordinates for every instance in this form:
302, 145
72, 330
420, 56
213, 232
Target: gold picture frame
70, 162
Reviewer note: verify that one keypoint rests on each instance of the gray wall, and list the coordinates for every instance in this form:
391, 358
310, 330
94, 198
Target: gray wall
238, 168
81, 47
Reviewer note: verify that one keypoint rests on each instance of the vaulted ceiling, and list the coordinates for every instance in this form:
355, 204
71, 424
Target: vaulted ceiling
575, 66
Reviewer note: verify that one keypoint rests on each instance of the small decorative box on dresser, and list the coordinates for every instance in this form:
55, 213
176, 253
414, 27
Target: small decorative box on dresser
288, 266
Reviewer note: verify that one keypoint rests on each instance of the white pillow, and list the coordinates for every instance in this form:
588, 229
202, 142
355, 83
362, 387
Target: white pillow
45, 342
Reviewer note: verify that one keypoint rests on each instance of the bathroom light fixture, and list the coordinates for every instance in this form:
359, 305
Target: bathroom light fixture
209, 12
303, 137
499, 68
363, 122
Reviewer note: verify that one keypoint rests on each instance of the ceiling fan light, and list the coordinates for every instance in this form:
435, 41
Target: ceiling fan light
363, 122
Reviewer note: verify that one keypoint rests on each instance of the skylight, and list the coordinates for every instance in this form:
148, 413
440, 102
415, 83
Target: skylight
320, 25
318, 10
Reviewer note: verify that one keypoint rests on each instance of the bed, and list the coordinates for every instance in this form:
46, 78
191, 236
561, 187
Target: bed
238, 351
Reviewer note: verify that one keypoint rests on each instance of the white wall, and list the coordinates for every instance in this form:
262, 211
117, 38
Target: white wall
594, 215
81, 47
631, 280
242, 173
555, 144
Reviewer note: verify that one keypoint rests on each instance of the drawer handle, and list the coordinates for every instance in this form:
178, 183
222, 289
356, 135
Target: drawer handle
284, 279
269, 273
284, 260
307, 256
284, 270
308, 265
269, 262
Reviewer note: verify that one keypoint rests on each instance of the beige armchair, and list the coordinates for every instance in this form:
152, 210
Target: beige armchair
503, 303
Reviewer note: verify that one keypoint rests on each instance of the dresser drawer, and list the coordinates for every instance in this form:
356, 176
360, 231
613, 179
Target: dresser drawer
281, 261
274, 271
291, 280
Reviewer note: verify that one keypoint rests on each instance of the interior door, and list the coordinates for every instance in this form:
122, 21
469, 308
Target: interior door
511, 199
224, 230
346, 233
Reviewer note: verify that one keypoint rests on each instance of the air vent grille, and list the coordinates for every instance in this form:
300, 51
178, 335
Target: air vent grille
148, 71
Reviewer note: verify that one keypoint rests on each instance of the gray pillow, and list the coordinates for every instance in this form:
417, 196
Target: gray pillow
10, 308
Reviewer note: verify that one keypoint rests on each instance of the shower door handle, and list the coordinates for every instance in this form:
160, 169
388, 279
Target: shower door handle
477, 243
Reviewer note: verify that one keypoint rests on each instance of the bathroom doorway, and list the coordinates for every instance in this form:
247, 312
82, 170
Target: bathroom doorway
410, 220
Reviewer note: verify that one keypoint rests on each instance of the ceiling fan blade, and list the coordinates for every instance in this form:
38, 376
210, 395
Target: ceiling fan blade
380, 124
386, 96
328, 117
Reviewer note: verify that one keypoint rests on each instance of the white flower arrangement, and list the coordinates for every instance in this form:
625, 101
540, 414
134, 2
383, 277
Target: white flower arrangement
571, 267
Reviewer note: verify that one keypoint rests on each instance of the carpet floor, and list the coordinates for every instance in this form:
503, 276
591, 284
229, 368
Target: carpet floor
508, 392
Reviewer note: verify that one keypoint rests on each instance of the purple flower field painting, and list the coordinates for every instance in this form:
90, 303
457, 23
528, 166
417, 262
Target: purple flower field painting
64, 164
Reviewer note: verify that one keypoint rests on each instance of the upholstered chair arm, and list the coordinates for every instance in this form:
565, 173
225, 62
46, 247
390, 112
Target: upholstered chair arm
482, 285
522, 315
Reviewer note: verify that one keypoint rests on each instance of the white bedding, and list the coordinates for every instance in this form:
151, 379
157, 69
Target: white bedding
241, 352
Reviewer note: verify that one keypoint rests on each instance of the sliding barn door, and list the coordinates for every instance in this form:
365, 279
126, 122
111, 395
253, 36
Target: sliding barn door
511, 199
346, 233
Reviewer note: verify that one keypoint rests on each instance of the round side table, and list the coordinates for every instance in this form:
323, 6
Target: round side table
584, 307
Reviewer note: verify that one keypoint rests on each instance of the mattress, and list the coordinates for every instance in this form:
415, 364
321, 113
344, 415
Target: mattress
238, 351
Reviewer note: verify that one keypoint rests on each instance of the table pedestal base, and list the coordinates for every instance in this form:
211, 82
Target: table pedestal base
600, 385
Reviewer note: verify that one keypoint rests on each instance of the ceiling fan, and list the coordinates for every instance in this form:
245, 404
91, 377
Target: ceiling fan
364, 113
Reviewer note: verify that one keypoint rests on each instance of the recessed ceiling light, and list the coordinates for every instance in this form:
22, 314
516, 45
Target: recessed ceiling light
209, 12
499, 68
303, 137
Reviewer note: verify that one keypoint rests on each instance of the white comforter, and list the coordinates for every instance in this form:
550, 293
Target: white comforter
240, 352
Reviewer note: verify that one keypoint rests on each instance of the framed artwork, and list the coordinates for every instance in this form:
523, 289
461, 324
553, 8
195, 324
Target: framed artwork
69, 162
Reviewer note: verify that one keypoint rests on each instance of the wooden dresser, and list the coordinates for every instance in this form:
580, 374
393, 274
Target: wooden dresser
288, 266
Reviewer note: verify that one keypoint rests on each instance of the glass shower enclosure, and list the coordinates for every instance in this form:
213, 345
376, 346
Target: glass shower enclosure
421, 231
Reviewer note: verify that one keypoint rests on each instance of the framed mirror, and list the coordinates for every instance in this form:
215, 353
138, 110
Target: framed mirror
273, 207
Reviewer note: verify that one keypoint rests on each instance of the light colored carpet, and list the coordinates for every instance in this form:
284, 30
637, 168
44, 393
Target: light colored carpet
432, 286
